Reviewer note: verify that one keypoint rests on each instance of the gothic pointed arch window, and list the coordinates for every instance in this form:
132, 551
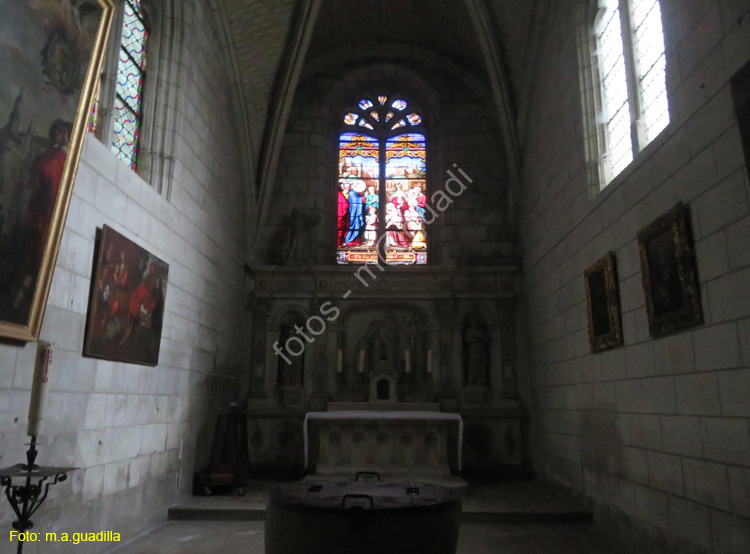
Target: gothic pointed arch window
382, 185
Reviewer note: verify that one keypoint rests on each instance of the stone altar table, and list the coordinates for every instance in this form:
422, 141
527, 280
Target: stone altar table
389, 442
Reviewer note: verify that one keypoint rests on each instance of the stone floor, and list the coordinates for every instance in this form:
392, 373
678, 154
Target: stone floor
510, 518
246, 537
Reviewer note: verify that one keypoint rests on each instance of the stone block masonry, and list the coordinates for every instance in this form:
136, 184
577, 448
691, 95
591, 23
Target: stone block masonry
132, 430
686, 445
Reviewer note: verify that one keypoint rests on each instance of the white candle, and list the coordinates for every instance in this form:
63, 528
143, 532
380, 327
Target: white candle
40, 388
407, 362
340, 361
361, 365
429, 361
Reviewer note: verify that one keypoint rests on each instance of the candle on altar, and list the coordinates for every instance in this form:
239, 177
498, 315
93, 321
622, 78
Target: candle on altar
361, 365
40, 388
407, 362
340, 361
429, 361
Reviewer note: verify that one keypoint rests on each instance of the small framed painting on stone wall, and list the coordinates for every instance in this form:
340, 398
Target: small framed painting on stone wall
50, 61
670, 280
741, 95
126, 307
603, 297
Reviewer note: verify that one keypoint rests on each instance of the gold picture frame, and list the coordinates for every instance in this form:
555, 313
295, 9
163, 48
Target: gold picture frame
603, 298
670, 279
50, 62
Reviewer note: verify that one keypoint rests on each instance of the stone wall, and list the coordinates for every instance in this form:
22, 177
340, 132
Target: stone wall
407, 324
136, 433
657, 431
475, 229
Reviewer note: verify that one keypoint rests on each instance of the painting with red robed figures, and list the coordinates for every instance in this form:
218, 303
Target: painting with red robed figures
51, 53
126, 309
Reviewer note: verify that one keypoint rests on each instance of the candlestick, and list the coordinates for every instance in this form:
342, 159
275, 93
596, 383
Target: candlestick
407, 362
26, 487
429, 361
361, 365
340, 361
40, 388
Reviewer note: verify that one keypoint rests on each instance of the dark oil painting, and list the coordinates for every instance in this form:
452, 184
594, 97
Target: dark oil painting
670, 279
602, 295
50, 59
126, 311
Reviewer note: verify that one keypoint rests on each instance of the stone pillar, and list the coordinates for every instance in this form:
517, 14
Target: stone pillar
260, 310
508, 357
321, 365
446, 360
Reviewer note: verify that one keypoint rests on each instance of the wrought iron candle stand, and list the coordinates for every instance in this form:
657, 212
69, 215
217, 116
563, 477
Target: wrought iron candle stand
26, 498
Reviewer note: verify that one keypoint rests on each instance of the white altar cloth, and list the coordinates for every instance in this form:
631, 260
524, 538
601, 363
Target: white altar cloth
375, 415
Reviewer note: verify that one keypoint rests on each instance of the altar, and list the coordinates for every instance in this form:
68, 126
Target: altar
392, 440
413, 375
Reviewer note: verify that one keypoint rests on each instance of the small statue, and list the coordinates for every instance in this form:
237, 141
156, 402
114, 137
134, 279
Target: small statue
296, 249
476, 346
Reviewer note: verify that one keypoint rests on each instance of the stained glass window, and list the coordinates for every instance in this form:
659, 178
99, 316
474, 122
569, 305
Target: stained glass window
94, 112
131, 74
633, 79
382, 187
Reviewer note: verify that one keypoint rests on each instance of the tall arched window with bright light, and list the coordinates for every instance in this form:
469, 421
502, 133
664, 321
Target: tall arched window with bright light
632, 66
382, 187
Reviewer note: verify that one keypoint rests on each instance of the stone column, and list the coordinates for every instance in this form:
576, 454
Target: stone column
445, 362
508, 357
320, 365
260, 309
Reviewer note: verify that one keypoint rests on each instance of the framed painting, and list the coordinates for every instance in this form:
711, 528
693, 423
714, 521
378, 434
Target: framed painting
50, 59
741, 96
603, 297
670, 279
126, 307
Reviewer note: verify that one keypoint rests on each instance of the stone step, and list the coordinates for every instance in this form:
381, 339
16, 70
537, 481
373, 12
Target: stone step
502, 502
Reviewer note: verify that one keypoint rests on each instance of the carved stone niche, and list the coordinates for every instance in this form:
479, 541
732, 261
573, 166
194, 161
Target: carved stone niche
383, 388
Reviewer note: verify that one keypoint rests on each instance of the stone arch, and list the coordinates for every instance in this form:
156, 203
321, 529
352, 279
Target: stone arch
275, 320
290, 365
380, 75
393, 68
489, 315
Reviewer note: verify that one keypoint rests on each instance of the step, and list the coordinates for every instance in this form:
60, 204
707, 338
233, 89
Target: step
524, 501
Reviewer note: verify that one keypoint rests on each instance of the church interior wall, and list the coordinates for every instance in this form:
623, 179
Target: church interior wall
656, 431
136, 433
475, 230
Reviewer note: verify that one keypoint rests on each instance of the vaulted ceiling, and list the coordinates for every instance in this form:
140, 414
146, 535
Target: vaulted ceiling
269, 42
